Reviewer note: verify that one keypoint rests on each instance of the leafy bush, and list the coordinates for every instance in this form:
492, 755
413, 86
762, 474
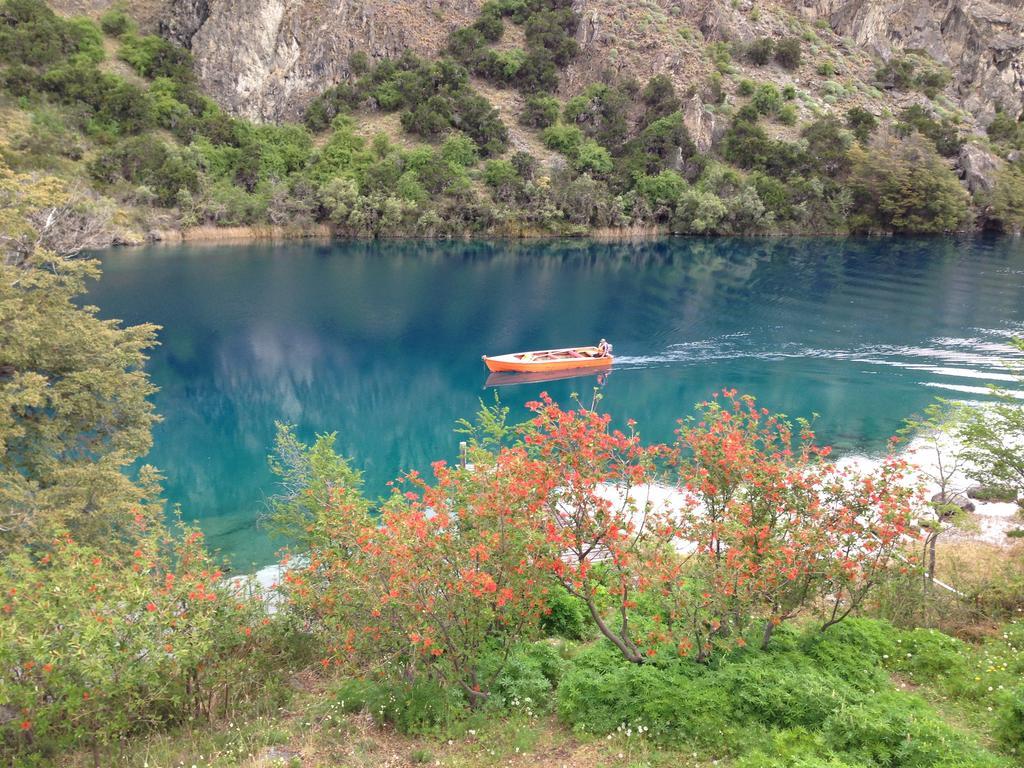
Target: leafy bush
553, 31
459, 150
785, 690
893, 729
115, 22
601, 113
528, 678
32, 35
663, 190
861, 122
913, 72
419, 708
591, 157
563, 138
788, 52
1008, 210
600, 692
767, 100
489, 24
1005, 129
660, 99
905, 187
141, 160
540, 111
1010, 725
152, 56
93, 648
564, 616
720, 53
760, 50
827, 145
787, 114
944, 134
660, 146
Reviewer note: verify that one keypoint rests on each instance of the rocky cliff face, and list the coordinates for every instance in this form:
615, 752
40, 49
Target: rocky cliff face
265, 59
982, 41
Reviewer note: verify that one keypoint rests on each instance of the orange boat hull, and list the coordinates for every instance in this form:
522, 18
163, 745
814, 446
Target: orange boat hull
548, 360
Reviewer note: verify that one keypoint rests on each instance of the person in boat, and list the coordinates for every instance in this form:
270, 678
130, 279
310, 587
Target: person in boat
604, 348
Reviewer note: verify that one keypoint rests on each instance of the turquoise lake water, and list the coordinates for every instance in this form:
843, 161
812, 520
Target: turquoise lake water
381, 342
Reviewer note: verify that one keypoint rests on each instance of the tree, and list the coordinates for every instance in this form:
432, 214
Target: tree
861, 122
778, 530
827, 145
760, 50
904, 186
445, 576
936, 431
579, 458
74, 412
540, 111
992, 435
1008, 198
787, 52
659, 96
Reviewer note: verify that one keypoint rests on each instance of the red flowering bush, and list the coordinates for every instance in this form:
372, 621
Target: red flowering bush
586, 474
741, 526
448, 573
93, 648
776, 528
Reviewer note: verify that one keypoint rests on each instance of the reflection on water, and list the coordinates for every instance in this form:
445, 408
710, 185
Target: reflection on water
509, 378
382, 341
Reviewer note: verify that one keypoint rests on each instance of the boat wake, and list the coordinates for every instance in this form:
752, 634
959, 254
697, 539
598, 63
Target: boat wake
983, 359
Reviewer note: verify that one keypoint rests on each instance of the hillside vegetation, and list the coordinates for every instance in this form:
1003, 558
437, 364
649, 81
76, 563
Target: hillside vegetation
122, 115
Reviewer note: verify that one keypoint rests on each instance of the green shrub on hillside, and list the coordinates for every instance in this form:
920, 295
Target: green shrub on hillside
766, 99
913, 72
1004, 128
600, 111
760, 50
115, 22
818, 699
1008, 204
152, 56
905, 187
540, 111
861, 122
943, 133
788, 52
563, 138
34, 36
660, 99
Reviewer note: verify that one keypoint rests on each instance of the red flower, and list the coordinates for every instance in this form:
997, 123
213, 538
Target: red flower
150, 607
26, 725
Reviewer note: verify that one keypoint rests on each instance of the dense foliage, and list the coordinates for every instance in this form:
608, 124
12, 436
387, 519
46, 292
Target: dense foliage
73, 396
157, 141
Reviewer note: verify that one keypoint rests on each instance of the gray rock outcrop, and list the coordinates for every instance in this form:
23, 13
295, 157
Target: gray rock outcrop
978, 168
981, 41
266, 59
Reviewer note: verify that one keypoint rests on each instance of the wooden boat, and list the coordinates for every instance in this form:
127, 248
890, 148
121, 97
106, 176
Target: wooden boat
549, 360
